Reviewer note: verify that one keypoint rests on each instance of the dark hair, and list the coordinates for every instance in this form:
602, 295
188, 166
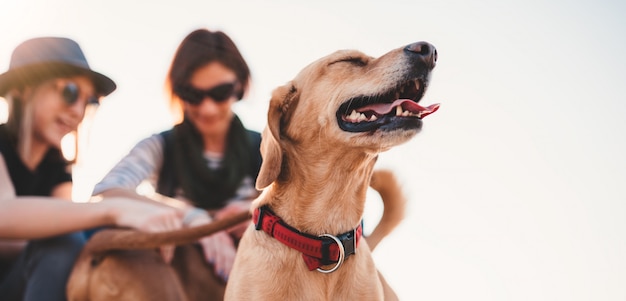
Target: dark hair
198, 49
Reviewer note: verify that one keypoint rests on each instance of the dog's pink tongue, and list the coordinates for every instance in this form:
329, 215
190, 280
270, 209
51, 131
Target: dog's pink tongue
407, 104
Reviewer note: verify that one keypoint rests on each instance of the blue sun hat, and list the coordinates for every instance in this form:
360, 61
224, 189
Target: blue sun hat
42, 58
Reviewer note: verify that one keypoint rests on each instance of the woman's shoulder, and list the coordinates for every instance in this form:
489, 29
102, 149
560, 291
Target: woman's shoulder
153, 144
154, 140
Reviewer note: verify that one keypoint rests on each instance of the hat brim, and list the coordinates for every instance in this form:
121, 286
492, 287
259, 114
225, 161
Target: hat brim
22, 76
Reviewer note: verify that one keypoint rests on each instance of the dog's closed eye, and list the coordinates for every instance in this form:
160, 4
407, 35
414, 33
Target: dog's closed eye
357, 61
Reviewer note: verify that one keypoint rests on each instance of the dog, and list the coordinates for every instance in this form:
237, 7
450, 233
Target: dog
325, 130
124, 264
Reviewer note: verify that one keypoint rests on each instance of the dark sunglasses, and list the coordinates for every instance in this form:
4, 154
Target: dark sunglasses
71, 92
219, 93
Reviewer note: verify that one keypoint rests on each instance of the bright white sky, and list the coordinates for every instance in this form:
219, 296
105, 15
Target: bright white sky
516, 185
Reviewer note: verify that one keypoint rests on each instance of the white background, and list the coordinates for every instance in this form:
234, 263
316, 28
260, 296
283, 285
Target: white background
516, 185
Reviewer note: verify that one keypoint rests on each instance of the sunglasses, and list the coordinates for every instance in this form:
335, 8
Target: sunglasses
71, 93
219, 93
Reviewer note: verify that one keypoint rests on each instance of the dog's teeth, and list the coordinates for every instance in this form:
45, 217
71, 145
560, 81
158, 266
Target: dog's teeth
353, 116
373, 118
361, 117
417, 85
398, 111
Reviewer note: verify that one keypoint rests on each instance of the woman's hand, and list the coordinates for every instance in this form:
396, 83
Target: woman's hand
145, 216
233, 208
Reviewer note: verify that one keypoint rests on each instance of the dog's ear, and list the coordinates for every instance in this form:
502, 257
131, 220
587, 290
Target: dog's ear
272, 160
271, 149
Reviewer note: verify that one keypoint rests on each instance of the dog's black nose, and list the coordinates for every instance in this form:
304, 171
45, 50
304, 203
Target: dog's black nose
425, 51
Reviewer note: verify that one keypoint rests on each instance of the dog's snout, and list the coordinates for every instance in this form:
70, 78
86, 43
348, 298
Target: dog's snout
425, 51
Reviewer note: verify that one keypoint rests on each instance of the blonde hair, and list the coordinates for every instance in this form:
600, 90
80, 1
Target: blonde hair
20, 125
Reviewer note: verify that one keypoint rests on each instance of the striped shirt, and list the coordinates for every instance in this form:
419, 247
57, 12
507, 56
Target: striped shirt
144, 162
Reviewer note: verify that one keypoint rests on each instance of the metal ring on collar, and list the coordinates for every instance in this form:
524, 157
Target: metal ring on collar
342, 254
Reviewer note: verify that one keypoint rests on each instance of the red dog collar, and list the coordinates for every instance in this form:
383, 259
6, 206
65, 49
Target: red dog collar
316, 251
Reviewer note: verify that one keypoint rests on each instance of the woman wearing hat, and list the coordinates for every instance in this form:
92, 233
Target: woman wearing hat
209, 159
48, 86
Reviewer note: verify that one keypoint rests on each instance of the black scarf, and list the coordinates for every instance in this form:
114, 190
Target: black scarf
208, 188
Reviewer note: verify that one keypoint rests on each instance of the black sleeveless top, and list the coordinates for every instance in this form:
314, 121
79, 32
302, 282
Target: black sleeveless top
167, 182
52, 171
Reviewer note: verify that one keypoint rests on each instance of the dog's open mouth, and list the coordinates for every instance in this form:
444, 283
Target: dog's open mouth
395, 109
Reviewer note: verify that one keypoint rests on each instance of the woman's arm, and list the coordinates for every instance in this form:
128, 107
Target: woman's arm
33, 217
140, 164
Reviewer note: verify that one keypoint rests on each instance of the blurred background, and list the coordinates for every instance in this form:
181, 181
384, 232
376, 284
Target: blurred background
516, 186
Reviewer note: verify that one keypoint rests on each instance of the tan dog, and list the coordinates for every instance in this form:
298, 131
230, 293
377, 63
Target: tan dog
123, 265
325, 130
